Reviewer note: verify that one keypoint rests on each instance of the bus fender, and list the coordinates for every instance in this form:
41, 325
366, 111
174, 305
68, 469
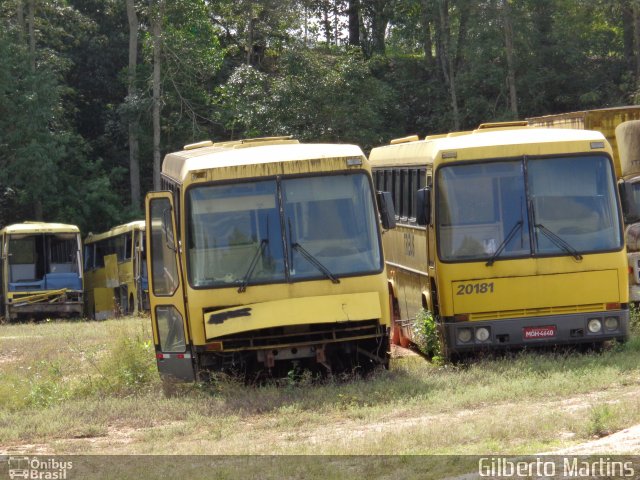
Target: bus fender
393, 288
426, 300
395, 333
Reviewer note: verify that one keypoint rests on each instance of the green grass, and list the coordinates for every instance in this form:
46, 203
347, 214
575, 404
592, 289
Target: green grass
92, 387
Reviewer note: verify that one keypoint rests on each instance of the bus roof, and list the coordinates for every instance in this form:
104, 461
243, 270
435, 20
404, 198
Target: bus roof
177, 165
40, 227
120, 229
498, 143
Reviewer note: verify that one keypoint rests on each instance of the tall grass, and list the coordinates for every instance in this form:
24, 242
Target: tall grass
47, 364
74, 380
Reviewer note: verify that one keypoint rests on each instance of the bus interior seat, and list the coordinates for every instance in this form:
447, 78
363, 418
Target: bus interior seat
61, 268
23, 272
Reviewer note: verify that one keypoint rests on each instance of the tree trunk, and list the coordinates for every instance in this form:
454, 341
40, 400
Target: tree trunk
38, 210
158, 15
427, 44
636, 39
326, 23
250, 28
134, 161
32, 35
21, 25
336, 20
628, 33
447, 60
379, 22
354, 22
508, 41
463, 20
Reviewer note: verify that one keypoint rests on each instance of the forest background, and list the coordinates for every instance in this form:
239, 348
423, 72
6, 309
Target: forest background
95, 92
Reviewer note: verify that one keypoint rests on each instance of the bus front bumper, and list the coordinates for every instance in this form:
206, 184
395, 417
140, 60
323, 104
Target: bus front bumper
579, 328
67, 303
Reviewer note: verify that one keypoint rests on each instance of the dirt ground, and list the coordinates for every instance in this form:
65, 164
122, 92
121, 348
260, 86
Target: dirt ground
626, 441
120, 440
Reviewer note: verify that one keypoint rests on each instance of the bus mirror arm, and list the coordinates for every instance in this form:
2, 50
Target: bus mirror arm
387, 212
423, 206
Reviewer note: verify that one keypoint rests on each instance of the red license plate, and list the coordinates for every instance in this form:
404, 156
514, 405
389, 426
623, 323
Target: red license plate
531, 333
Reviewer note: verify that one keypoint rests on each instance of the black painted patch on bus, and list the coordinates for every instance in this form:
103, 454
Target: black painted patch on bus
218, 318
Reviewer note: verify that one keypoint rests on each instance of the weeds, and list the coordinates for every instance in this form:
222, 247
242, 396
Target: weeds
601, 420
634, 320
426, 336
60, 381
129, 367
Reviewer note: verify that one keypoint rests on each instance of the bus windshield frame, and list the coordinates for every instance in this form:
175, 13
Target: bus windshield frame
527, 207
281, 229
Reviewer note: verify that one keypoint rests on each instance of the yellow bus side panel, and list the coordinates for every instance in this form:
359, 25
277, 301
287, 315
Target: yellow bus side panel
533, 292
295, 311
103, 303
125, 274
111, 271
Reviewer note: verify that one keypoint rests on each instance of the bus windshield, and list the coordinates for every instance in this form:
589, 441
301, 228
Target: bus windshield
562, 206
285, 229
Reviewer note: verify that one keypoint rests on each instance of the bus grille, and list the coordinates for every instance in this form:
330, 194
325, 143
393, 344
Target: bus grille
538, 312
311, 335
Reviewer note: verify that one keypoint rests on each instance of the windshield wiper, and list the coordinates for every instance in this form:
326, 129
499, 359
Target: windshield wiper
504, 243
559, 242
314, 261
252, 266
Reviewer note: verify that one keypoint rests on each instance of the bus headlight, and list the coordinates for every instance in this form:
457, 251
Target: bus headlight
464, 335
482, 334
611, 323
594, 325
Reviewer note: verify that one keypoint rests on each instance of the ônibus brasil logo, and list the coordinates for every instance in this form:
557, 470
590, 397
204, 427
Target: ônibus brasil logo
38, 468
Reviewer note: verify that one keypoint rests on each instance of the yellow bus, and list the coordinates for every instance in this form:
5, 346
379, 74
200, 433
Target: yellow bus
115, 270
511, 236
265, 256
41, 270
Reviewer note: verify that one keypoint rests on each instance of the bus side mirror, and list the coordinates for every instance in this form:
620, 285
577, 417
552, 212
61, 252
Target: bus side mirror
387, 213
629, 208
423, 206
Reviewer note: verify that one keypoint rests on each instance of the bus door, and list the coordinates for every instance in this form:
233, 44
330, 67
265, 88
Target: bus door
4, 275
166, 289
138, 265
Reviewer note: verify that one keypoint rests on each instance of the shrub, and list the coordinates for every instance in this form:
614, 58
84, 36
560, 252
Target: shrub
426, 336
634, 319
128, 367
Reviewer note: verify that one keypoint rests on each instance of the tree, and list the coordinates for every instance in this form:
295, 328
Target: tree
157, 18
354, 22
449, 53
134, 162
509, 52
312, 97
376, 14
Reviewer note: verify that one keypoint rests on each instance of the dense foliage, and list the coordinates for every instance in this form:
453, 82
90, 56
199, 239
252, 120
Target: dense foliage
360, 71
